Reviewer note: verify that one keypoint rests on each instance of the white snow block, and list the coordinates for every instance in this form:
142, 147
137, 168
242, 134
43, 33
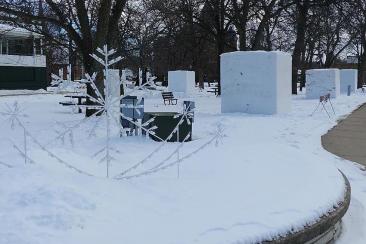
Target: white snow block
320, 82
348, 77
114, 88
114, 82
256, 82
181, 81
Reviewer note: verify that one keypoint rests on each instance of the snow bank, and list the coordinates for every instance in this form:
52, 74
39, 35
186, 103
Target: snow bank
348, 77
267, 176
320, 82
256, 82
181, 81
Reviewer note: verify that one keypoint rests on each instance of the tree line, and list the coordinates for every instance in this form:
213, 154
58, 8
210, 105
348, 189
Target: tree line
163, 35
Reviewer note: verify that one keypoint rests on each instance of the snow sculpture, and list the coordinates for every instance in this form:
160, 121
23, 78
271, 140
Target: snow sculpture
114, 83
62, 85
320, 82
256, 82
348, 77
181, 81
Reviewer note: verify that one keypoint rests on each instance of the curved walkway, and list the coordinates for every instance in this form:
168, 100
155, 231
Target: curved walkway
348, 138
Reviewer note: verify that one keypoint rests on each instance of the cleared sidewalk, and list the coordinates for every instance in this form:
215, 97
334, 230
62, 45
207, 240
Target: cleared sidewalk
348, 138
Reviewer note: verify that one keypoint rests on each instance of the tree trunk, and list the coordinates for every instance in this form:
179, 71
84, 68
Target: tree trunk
220, 49
242, 39
299, 49
362, 61
259, 35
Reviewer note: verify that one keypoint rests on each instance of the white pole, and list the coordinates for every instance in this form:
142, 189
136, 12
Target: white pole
106, 84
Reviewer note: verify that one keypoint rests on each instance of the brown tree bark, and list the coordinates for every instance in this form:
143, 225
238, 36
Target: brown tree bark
302, 9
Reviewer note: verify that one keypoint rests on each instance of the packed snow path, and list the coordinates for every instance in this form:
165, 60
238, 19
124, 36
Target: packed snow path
348, 138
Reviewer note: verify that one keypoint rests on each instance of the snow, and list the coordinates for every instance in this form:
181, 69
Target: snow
9, 30
268, 175
21, 92
320, 82
181, 81
256, 82
348, 77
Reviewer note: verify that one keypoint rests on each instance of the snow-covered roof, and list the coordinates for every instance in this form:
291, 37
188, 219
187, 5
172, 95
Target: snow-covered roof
12, 31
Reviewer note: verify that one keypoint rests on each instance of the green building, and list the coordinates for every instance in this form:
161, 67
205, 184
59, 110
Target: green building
22, 63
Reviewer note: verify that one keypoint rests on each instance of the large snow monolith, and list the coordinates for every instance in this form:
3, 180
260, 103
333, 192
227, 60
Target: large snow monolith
320, 82
348, 77
256, 82
181, 81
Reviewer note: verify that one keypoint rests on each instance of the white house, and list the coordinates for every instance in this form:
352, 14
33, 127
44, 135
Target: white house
22, 63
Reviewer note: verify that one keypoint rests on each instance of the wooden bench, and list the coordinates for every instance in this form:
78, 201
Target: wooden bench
169, 97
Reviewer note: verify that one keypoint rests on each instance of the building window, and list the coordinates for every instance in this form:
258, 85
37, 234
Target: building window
20, 47
37, 46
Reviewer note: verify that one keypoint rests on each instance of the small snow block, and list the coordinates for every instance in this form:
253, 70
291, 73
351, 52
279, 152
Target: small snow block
256, 82
181, 81
320, 82
348, 77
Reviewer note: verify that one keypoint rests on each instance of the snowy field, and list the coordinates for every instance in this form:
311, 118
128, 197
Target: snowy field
267, 176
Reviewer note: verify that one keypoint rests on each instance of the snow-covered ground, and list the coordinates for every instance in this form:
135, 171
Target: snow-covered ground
268, 175
21, 92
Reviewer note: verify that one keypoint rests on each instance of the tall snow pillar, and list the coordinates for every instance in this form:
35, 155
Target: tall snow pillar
114, 88
181, 81
256, 82
320, 82
348, 77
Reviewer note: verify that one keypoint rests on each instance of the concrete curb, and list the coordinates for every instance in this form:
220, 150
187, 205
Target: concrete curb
326, 230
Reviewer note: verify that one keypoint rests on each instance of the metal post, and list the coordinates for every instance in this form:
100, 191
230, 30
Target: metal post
349, 90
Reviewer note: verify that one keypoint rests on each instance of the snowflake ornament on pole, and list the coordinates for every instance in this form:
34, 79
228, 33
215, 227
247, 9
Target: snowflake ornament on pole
14, 114
104, 103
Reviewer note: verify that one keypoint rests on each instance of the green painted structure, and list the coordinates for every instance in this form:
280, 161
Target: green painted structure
22, 63
19, 77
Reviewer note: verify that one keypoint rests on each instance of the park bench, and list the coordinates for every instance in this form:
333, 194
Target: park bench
169, 97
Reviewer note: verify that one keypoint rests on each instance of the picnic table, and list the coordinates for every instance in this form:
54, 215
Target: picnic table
79, 97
